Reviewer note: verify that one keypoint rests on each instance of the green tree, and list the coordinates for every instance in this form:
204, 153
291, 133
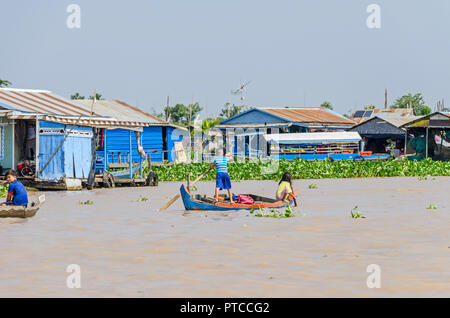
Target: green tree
209, 123
180, 113
327, 104
97, 96
4, 83
416, 101
76, 96
229, 110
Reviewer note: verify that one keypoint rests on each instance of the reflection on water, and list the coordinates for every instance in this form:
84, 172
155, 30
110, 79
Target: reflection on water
126, 248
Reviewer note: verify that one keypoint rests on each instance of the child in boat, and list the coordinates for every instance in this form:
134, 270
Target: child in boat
285, 188
222, 178
17, 194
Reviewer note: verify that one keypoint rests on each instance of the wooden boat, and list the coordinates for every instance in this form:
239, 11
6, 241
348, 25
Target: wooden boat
13, 211
203, 202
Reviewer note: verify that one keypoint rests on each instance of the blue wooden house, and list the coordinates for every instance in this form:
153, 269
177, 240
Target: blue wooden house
249, 127
154, 135
59, 137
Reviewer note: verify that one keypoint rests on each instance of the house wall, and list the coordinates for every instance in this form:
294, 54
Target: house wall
173, 135
6, 145
73, 158
151, 138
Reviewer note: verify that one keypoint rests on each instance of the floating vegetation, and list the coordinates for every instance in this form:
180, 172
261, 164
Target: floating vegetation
88, 202
313, 169
432, 207
141, 198
273, 213
356, 213
312, 186
3, 190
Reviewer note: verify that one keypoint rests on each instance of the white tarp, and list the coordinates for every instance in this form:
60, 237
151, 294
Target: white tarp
314, 137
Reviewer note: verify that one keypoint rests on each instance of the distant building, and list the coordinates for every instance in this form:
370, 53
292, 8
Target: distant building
378, 130
262, 121
360, 116
433, 132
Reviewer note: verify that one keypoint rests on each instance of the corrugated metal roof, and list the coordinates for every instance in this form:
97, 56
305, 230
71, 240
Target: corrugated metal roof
397, 121
120, 111
310, 115
360, 116
31, 103
39, 101
339, 136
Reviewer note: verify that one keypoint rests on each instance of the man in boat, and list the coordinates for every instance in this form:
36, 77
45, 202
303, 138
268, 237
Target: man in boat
17, 194
222, 178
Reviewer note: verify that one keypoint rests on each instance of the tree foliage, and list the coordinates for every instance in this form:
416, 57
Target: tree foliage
180, 113
229, 110
4, 83
78, 96
327, 104
209, 123
415, 101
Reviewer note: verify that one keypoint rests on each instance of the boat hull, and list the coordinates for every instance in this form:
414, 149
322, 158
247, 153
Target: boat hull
192, 204
14, 211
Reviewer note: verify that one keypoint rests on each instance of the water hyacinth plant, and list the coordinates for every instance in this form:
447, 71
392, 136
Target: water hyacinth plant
355, 213
315, 169
273, 213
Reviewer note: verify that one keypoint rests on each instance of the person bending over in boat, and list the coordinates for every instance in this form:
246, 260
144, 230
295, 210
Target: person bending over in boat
222, 178
17, 194
285, 188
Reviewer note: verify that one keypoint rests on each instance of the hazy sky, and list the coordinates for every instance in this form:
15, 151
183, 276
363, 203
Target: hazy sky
293, 52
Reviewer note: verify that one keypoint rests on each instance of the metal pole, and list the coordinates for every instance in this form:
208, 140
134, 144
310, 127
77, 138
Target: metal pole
13, 165
406, 141
130, 157
36, 161
105, 161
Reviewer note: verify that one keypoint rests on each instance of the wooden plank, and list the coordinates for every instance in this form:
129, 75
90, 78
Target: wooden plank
118, 166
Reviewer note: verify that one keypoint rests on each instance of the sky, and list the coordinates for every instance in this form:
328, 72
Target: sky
294, 53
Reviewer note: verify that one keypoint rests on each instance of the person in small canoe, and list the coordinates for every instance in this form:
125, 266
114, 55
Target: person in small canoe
285, 188
222, 178
17, 194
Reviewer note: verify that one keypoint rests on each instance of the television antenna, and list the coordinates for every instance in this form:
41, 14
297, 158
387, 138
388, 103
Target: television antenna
240, 91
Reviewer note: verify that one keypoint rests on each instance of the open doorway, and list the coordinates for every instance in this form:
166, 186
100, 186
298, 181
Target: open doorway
24, 147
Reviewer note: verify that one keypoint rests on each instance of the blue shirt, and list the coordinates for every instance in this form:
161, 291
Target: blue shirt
221, 163
20, 196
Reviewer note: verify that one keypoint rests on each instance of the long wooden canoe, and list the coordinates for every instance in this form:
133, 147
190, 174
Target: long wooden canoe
202, 202
14, 211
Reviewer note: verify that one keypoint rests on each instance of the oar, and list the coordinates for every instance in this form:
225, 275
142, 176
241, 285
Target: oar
178, 195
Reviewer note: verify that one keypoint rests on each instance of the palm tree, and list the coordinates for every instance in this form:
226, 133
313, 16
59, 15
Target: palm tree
209, 123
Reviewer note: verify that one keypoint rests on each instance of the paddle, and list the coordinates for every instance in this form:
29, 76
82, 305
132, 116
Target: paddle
178, 195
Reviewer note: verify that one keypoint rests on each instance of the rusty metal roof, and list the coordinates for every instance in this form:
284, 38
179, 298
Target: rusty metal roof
120, 111
31, 103
39, 102
311, 115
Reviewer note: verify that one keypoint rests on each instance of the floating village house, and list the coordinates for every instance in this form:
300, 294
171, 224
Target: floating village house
57, 134
265, 121
360, 116
430, 136
382, 133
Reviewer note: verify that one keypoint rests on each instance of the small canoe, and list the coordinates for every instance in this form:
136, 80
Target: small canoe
203, 202
14, 211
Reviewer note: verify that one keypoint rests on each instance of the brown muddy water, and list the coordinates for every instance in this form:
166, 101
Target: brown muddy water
127, 248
